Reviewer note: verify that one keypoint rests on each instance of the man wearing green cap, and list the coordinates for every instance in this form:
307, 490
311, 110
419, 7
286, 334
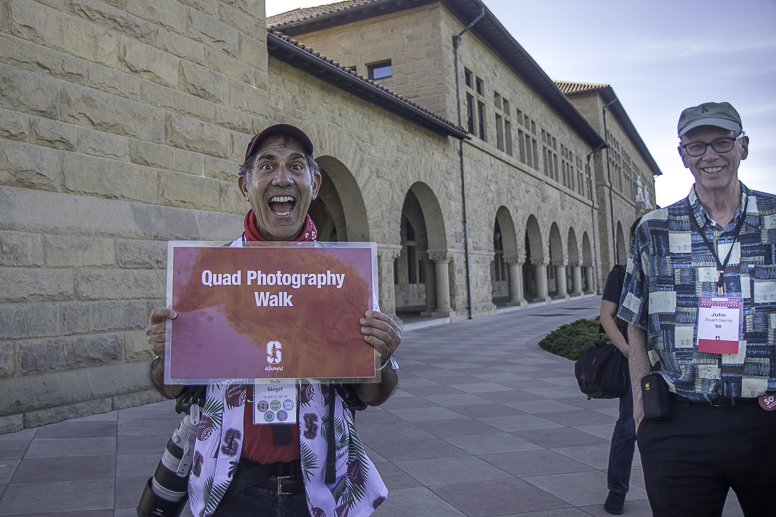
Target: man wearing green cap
700, 299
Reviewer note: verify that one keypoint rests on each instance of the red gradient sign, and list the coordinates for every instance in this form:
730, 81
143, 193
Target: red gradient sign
269, 311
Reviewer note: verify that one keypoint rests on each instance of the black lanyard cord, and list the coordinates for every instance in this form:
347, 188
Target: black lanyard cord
736, 232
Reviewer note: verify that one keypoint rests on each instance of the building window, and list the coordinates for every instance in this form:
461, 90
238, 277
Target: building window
508, 136
480, 87
521, 145
499, 132
467, 77
481, 119
497, 99
380, 70
470, 113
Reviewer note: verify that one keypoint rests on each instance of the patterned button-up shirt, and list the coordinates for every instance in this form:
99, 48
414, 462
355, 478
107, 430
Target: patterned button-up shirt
669, 267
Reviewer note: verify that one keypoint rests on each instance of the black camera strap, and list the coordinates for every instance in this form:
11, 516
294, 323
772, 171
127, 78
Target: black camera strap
247, 478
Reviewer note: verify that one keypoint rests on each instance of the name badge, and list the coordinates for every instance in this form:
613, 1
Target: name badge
719, 324
274, 403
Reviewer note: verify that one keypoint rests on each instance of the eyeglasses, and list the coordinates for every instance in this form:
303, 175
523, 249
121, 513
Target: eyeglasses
720, 145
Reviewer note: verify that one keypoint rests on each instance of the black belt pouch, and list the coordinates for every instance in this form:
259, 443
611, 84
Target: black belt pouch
654, 394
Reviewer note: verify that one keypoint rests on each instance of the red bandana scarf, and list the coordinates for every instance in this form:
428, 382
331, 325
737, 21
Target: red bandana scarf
252, 229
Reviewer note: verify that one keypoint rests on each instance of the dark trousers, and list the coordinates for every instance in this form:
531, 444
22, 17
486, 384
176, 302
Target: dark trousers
693, 458
255, 501
622, 446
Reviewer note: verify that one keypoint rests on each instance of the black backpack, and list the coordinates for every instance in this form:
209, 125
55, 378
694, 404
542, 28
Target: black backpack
601, 371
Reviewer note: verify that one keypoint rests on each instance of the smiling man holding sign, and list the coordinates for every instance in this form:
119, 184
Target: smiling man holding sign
241, 465
699, 299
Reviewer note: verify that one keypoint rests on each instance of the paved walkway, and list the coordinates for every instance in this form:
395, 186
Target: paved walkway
485, 423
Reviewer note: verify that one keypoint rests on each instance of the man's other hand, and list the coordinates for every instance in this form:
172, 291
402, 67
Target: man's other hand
156, 329
382, 333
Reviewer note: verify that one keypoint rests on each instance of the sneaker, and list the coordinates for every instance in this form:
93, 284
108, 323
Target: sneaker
614, 503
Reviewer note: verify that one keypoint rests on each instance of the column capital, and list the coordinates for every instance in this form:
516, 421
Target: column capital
514, 261
388, 252
440, 256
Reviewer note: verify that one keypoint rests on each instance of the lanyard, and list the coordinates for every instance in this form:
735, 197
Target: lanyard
737, 230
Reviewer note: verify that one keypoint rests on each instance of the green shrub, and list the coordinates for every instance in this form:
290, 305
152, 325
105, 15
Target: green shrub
570, 339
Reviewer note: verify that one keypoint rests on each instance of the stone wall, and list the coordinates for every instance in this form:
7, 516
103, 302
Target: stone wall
122, 124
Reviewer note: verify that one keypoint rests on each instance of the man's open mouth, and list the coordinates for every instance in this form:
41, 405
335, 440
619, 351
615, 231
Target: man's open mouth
282, 205
712, 170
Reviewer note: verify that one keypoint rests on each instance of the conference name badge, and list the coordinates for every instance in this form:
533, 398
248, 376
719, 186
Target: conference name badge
274, 403
719, 323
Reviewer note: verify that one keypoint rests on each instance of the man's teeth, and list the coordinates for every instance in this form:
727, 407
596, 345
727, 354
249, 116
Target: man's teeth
712, 170
281, 199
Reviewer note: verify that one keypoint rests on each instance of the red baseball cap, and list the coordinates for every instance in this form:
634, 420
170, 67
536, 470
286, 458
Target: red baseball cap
280, 129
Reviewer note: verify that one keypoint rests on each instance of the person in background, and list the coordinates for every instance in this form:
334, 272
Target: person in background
624, 434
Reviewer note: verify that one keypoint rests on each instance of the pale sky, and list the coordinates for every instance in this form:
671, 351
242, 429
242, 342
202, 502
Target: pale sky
659, 57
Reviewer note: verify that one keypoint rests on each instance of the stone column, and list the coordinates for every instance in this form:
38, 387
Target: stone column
576, 280
515, 266
442, 278
540, 273
428, 267
560, 282
386, 254
589, 280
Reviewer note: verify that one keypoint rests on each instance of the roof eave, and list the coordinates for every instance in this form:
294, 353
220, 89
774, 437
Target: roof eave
355, 85
608, 96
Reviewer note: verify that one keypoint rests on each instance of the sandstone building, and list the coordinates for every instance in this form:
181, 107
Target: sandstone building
123, 122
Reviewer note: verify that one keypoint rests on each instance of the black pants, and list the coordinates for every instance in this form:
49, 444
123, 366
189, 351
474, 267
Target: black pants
691, 459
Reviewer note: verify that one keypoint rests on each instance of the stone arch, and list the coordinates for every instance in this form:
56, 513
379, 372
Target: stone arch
534, 273
341, 199
505, 256
556, 273
622, 247
573, 269
422, 268
588, 271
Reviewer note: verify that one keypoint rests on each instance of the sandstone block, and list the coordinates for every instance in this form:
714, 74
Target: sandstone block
180, 46
240, 143
149, 63
11, 423
66, 412
239, 20
176, 101
34, 58
136, 347
104, 145
209, 7
14, 125
203, 83
28, 320
232, 201
227, 65
29, 166
92, 109
7, 360
35, 285
112, 18
91, 42
114, 82
169, 14
253, 8
54, 354
39, 24
137, 254
235, 120
187, 191
247, 98
219, 169
121, 284
87, 317
211, 32
138, 398
252, 51
51, 133
28, 92
72, 251
21, 249
91, 176
193, 135
164, 157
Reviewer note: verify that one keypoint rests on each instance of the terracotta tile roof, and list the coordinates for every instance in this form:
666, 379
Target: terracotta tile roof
300, 14
570, 87
410, 109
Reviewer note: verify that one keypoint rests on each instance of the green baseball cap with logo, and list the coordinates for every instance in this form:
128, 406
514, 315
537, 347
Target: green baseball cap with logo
717, 114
